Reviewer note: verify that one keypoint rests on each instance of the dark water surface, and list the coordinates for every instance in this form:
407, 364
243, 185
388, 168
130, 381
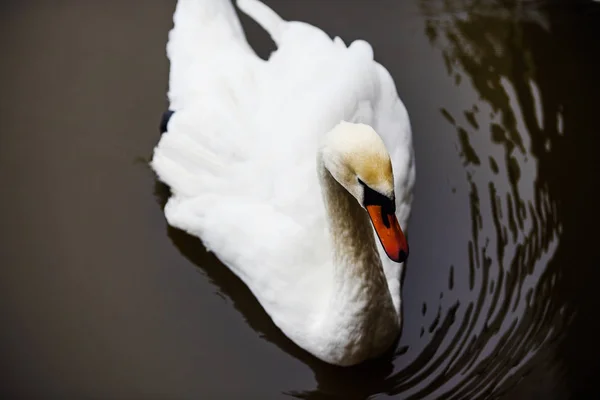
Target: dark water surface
100, 299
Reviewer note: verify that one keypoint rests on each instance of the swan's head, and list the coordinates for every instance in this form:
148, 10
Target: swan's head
357, 158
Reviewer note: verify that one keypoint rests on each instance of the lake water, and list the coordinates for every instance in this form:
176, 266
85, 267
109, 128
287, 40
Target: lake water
100, 299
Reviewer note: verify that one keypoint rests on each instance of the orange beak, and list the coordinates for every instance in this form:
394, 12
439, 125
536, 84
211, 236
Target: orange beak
389, 232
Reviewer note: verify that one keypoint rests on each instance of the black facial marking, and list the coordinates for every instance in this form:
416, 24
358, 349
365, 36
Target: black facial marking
402, 256
374, 198
165, 120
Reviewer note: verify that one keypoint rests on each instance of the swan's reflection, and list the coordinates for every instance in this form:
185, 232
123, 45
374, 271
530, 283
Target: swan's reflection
501, 309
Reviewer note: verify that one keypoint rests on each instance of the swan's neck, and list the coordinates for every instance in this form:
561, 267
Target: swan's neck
355, 253
360, 304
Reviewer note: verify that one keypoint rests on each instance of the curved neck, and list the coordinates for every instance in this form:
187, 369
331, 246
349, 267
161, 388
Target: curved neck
360, 318
358, 271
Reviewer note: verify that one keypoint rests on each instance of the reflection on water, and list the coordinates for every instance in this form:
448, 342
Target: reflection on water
502, 310
515, 226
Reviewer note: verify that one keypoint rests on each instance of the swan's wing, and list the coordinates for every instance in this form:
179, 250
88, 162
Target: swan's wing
336, 83
221, 154
212, 88
391, 121
333, 82
240, 150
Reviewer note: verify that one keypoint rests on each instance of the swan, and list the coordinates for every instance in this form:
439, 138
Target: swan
297, 172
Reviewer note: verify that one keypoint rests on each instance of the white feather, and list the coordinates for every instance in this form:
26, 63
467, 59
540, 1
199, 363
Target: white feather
240, 156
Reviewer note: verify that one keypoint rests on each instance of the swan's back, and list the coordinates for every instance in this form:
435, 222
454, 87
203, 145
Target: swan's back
240, 150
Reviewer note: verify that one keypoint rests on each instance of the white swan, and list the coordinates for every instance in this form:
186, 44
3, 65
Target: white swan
270, 163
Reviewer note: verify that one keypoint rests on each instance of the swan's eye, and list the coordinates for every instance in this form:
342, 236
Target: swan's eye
374, 198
